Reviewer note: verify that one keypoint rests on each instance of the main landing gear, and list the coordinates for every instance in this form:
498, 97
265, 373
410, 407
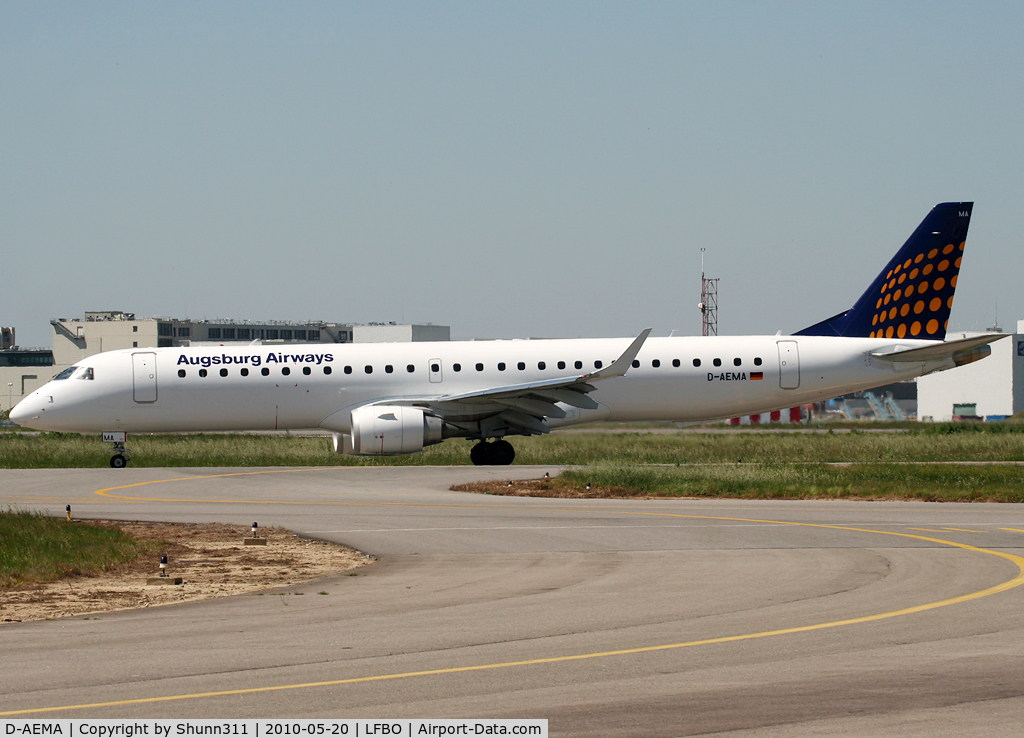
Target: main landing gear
497, 453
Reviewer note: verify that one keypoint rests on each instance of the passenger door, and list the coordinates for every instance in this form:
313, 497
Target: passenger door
144, 366
789, 365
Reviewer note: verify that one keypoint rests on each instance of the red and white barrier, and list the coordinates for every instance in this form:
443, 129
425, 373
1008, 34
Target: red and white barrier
791, 415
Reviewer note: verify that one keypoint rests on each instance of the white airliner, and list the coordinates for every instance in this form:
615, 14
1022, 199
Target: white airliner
397, 398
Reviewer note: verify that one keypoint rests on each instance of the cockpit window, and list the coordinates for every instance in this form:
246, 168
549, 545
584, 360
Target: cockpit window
67, 372
86, 373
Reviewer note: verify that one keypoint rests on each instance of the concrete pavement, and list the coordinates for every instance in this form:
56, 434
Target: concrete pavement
609, 618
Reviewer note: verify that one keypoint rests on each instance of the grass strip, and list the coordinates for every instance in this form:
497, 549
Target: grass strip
38, 548
925, 482
932, 443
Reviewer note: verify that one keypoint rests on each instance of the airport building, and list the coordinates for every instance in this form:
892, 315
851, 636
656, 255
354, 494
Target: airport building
76, 338
992, 388
25, 370
21, 369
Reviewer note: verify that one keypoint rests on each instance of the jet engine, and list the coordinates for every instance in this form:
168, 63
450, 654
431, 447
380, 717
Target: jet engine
384, 430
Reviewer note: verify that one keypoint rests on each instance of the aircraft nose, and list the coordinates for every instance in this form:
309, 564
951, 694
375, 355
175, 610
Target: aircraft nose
28, 411
20, 412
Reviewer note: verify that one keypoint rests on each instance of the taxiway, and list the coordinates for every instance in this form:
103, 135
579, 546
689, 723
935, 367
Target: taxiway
607, 617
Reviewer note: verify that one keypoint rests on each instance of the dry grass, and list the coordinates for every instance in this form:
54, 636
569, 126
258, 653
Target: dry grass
210, 557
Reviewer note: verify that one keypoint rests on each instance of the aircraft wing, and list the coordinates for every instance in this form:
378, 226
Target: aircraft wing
956, 350
525, 406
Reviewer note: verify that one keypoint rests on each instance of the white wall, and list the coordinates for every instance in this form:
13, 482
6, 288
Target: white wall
388, 333
20, 377
995, 384
381, 333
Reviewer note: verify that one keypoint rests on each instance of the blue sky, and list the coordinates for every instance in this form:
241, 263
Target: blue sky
512, 170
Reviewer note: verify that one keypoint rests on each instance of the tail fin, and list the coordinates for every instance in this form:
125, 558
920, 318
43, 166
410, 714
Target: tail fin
914, 292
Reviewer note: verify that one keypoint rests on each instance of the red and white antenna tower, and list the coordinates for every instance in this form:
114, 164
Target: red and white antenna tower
708, 302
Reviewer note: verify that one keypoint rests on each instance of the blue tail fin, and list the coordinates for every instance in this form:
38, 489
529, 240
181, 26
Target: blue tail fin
913, 294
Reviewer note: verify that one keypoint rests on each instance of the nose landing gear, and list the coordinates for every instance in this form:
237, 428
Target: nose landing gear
120, 458
498, 453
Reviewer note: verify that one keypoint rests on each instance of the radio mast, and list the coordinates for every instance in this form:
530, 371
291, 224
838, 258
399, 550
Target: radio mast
708, 302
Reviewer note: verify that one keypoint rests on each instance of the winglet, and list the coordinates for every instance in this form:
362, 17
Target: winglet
621, 365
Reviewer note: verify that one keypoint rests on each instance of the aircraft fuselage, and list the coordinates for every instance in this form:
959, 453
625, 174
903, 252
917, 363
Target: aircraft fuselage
283, 387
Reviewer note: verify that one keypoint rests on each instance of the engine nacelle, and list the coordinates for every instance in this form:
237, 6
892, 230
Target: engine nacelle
384, 430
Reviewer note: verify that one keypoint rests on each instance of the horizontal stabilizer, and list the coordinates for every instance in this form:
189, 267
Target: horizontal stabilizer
938, 351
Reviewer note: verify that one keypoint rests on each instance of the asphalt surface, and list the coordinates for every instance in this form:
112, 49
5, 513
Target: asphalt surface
608, 618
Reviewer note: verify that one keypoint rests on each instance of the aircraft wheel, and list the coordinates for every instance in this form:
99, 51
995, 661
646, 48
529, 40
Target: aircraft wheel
118, 461
480, 454
502, 453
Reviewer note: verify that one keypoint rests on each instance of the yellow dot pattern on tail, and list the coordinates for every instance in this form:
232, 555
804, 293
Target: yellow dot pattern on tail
934, 295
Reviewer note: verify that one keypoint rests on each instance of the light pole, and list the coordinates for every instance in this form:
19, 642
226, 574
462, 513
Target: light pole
9, 405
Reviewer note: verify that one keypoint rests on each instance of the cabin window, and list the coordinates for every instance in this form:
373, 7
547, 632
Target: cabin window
348, 370
368, 369
737, 362
181, 372
286, 370
223, 372
410, 368
244, 371
389, 369
598, 364
265, 372
435, 368
561, 365
521, 366
327, 370
501, 366
306, 370
202, 372
656, 363
757, 361
717, 362
456, 367
696, 362
541, 365
578, 365
479, 367
675, 363
636, 363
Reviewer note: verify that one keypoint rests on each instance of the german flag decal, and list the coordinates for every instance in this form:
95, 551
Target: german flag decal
757, 375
